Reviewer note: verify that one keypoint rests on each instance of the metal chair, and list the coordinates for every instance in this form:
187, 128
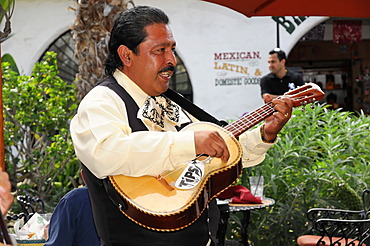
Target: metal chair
29, 206
336, 227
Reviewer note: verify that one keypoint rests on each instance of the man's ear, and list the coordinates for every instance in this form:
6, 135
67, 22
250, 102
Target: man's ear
283, 61
124, 54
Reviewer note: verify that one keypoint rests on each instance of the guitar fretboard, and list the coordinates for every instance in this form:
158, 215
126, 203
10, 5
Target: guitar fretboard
249, 120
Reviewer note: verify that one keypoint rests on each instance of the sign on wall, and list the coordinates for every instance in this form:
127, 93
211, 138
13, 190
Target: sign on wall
239, 68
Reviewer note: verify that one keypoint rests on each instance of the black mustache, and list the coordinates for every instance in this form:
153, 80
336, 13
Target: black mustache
168, 68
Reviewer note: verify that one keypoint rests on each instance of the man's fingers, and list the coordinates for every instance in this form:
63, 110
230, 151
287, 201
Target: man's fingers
221, 148
283, 107
212, 144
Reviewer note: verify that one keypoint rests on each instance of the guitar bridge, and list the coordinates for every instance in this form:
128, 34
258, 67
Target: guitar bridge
164, 182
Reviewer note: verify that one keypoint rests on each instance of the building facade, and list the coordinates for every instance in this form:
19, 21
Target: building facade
223, 52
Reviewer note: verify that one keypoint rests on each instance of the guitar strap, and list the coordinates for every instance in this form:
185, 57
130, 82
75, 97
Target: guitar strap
184, 103
193, 109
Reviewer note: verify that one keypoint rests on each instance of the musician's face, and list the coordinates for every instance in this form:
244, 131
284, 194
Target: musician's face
275, 65
150, 68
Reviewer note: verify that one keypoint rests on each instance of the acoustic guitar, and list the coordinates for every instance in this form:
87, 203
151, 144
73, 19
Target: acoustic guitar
4, 235
176, 198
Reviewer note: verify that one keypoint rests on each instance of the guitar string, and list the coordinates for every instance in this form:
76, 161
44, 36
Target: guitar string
236, 128
239, 126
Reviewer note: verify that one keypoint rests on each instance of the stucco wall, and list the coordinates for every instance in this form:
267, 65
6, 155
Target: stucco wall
35, 24
204, 32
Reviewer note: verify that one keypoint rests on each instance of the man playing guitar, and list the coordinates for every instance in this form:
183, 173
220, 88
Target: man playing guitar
124, 127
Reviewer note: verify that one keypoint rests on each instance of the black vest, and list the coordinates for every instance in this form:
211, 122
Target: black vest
114, 228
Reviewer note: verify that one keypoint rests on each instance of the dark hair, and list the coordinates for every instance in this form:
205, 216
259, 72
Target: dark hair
128, 30
280, 53
332, 97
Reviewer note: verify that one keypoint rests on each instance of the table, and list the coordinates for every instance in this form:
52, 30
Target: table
227, 208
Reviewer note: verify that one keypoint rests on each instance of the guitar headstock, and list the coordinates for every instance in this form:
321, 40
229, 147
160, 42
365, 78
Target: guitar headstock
307, 93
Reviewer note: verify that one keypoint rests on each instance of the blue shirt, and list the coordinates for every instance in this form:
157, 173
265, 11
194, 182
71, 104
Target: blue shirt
72, 221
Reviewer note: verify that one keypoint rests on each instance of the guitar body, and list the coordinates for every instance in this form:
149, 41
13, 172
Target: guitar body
156, 203
176, 198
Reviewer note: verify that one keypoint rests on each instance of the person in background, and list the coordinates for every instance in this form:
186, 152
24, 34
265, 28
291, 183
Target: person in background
331, 100
280, 80
72, 222
6, 197
134, 136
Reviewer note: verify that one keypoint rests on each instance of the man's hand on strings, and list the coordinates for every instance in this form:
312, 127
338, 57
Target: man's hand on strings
283, 111
211, 143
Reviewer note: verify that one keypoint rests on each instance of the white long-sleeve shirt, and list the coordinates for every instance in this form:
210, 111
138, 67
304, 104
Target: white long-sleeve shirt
105, 143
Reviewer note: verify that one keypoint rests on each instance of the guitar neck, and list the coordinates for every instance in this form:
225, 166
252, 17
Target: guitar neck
4, 235
307, 93
249, 120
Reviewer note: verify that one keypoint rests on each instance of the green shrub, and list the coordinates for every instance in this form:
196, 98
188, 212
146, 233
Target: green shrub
39, 154
321, 160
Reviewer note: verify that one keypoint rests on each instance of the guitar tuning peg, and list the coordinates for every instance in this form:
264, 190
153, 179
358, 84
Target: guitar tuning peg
303, 104
312, 101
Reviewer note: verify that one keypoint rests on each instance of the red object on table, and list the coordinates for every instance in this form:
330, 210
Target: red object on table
239, 194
